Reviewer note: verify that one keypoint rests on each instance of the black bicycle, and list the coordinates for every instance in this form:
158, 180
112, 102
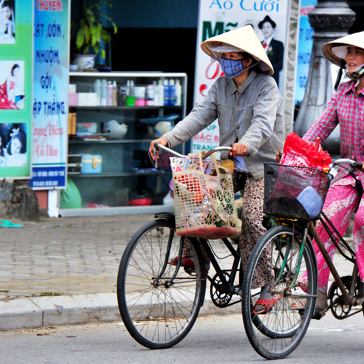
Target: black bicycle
159, 302
294, 278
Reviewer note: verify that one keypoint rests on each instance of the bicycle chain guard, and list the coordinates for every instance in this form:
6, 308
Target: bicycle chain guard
218, 296
339, 309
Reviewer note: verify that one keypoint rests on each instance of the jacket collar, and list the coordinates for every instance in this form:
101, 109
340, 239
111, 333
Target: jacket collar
232, 85
350, 86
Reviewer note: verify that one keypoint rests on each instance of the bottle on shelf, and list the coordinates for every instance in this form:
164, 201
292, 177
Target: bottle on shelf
178, 93
114, 94
122, 95
156, 93
165, 93
97, 90
109, 93
150, 95
130, 97
161, 93
172, 93
103, 93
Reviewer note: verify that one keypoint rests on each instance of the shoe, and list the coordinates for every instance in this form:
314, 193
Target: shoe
187, 263
266, 301
321, 301
263, 305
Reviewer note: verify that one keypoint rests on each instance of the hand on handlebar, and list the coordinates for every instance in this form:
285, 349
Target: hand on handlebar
238, 149
151, 148
279, 156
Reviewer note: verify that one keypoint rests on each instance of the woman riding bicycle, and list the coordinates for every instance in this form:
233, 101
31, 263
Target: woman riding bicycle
346, 108
248, 106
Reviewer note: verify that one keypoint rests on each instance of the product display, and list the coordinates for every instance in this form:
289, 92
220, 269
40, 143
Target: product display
111, 139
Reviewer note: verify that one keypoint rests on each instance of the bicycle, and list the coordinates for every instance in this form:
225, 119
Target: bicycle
292, 259
159, 302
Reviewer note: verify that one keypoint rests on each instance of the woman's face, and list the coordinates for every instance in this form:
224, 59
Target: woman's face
267, 29
16, 71
354, 58
6, 13
15, 146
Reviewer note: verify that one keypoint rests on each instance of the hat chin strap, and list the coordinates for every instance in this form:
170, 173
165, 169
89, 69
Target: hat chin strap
356, 74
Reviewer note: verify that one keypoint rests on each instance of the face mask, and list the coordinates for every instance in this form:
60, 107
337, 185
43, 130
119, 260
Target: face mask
355, 75
233, 68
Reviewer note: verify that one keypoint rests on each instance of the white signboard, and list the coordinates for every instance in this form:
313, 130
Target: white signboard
217, 17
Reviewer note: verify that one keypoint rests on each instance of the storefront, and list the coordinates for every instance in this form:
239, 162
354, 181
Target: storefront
67, 141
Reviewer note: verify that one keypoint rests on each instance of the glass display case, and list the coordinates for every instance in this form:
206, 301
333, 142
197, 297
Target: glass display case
113, 117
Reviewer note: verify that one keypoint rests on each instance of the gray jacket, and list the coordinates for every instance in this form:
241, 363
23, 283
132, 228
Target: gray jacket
250, 114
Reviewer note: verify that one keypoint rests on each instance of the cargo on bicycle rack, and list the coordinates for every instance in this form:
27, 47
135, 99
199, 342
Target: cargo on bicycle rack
204, 204
294, 192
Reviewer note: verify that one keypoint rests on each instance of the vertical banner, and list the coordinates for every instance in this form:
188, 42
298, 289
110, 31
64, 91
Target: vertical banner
50, 90
304, 49
15, 87
269, 20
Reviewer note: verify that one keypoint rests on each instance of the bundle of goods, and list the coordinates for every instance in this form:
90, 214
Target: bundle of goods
203, 203
296, 187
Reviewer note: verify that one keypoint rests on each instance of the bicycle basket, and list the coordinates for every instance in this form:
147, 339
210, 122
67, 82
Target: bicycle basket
294, 192
203, 204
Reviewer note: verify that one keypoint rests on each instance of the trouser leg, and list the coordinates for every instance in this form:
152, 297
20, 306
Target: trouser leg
339, 206
252, 230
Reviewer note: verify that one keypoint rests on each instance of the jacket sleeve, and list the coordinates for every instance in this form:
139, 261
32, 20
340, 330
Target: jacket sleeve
264, 118
199, 118
326, 123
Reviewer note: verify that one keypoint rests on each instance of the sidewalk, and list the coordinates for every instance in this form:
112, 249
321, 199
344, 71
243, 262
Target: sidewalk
64, 271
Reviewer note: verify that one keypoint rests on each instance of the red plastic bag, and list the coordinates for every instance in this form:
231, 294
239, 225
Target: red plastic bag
297, 152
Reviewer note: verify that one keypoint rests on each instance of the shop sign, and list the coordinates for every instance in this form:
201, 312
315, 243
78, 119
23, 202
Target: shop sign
15, 88
304, 48
49, 131
217, 17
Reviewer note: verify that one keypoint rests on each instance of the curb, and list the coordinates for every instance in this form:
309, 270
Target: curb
35, 312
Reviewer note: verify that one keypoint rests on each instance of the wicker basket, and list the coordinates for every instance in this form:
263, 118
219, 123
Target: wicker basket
203, 204
294, 192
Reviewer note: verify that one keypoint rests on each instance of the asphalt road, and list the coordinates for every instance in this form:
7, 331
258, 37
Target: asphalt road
213, 339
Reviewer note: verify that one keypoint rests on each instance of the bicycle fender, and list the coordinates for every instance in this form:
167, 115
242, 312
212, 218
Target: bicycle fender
165, 215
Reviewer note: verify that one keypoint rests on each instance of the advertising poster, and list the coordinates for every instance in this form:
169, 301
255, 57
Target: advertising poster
217, 17
15, 87
50, 94
304, 48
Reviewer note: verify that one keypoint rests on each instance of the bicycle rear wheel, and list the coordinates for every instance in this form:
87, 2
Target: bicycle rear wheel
275, 334
159, 303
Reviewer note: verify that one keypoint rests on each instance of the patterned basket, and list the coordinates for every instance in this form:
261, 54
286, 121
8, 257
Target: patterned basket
203, 204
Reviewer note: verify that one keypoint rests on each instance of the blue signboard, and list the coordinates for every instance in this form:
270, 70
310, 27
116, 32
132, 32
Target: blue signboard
304, 49
50, 94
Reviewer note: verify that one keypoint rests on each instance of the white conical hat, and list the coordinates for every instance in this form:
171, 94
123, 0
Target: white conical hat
245, 40
336, 51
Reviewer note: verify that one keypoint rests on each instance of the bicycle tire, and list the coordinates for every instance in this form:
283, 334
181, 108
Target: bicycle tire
158, 314
282, 327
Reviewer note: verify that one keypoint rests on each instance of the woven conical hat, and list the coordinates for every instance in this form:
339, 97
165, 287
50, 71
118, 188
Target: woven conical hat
245, 39
335, 51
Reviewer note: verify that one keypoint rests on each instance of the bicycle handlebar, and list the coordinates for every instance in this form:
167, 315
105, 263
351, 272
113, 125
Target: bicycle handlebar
204, 156
352, 163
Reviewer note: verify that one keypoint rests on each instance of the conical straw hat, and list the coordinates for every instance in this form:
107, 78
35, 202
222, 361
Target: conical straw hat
336, 51
246, 40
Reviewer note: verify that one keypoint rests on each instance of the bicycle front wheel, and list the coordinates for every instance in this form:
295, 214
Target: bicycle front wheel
292, 285
159, 302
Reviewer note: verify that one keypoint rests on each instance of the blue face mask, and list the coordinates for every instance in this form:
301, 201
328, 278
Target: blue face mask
233, 68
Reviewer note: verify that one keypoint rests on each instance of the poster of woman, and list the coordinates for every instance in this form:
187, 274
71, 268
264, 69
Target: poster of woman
13, 145
11, 85
7, 21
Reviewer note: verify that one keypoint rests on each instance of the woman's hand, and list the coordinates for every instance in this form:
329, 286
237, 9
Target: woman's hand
238, 149
151, 148
278, 156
